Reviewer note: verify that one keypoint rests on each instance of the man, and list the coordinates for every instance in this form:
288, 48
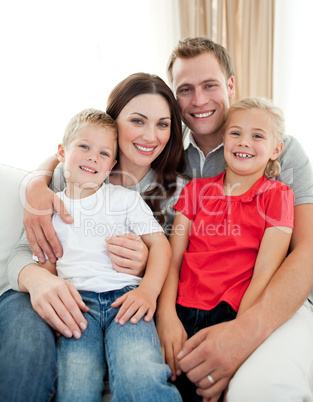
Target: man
281, 368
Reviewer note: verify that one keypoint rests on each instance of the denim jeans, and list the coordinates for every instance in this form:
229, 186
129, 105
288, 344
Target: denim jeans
131, 352
27, 351
193, 321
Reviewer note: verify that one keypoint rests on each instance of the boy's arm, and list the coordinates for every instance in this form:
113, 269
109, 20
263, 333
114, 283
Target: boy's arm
170, 329
142, 301
272, 252
49, 266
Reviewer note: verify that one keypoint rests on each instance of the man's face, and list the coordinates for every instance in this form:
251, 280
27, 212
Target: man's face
202, 93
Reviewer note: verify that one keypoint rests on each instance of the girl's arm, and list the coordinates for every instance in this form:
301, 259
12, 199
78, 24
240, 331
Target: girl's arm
170, 329
273, 250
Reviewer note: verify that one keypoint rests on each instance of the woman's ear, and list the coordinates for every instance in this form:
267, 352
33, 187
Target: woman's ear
277, 151
61, 153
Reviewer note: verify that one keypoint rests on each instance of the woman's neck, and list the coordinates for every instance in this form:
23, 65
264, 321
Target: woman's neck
126, 174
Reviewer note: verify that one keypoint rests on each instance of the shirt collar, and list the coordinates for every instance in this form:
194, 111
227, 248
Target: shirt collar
188, 140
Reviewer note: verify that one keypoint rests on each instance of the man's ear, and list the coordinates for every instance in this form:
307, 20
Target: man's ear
277, 151
61, 153
231, 87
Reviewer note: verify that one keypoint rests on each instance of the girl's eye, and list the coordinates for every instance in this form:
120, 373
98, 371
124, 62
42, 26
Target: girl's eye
84, 146
258, 136
235, 133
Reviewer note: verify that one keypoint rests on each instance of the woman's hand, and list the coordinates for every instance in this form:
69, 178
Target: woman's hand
57, 302
172, 337
39, 206
128, 253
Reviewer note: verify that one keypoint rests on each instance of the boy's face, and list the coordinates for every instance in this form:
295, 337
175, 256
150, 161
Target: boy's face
90, 157
202, 93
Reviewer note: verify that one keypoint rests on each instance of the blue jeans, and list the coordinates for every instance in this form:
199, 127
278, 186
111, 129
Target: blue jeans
27, 351
193, 321
132, 353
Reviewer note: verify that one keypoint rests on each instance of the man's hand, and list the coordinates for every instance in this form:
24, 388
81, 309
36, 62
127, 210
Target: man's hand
39, 206
57, 302
216, 351
128, 253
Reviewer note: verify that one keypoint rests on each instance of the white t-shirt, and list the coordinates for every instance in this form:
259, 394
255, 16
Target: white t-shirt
111, 211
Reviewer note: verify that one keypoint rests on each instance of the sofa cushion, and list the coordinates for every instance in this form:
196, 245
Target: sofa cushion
12, 184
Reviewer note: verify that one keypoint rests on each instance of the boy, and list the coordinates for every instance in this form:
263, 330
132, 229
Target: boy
132, 352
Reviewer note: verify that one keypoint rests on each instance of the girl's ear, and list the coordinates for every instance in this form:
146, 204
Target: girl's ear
277, 151
61, 153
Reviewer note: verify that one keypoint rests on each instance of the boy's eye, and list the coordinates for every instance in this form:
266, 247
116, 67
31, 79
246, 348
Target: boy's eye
104, 153
83, 146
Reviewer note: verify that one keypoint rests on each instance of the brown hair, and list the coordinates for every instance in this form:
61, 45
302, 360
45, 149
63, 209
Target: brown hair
191, 47
171, 160
273, 167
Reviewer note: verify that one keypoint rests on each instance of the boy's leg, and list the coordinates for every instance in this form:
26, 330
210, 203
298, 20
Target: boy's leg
136, 369
81, 362
281, 369
27, 351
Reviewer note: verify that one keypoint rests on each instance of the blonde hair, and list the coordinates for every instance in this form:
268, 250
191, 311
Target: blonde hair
273, 167
87, 117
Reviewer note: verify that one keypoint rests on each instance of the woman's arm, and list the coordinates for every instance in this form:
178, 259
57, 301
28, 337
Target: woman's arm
272, 252
39, 206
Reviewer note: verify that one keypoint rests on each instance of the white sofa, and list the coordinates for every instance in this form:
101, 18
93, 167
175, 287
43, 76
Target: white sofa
13, 182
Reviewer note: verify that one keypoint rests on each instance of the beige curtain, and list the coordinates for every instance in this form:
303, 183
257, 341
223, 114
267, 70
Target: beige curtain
245, 28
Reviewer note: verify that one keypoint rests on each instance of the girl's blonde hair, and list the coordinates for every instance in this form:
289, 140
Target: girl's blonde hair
273, 168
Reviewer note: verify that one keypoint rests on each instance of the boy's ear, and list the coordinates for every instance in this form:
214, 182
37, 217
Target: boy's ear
277, 151
61, 153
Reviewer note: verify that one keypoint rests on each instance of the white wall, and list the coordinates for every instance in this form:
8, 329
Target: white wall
293, 65
60, 56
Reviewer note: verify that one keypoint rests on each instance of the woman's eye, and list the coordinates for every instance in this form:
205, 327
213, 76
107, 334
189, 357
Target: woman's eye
164, 125
137, 121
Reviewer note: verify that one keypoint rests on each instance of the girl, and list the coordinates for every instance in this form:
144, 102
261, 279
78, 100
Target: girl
230, 233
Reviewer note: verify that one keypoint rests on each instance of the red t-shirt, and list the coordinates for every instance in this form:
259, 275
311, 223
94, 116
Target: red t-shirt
225, 237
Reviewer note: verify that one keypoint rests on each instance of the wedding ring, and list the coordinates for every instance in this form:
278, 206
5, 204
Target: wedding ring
210, 379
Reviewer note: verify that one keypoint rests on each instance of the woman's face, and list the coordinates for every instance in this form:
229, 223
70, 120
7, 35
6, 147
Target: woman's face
144, 127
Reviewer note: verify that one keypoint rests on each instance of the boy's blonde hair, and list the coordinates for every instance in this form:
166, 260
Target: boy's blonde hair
87, 117
273, 168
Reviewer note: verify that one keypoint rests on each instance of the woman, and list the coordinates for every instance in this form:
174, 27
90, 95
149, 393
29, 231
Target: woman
151, 152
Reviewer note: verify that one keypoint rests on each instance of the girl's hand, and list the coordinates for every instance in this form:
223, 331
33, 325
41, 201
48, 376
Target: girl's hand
39, 206
134, 305
172, 337
128, 253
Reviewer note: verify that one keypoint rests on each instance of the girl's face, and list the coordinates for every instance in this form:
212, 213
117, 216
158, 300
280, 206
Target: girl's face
144, 128
249, 142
